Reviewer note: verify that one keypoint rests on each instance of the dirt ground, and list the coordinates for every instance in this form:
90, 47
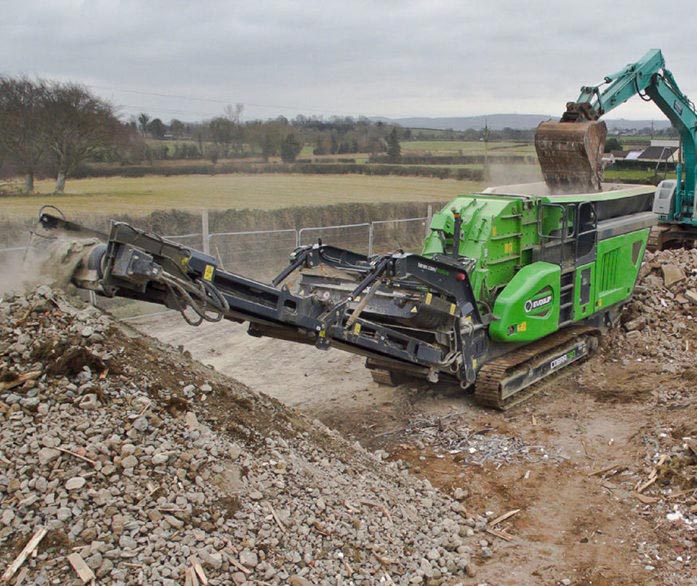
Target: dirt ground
573, 526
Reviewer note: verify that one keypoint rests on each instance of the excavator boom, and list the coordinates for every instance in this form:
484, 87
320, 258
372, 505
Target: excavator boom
570, 151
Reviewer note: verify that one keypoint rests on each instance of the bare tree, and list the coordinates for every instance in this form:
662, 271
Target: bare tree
80, 124
143, 122
234, 115
23, 117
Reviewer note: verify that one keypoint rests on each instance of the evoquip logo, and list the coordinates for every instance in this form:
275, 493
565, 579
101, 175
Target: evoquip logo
532, 304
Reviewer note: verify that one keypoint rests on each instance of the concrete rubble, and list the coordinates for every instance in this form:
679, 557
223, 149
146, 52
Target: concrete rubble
152, 467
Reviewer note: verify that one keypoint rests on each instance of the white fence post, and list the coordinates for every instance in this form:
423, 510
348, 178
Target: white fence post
205, 236
429, 217
370, 239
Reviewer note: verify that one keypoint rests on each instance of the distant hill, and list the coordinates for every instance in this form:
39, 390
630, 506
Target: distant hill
515, 121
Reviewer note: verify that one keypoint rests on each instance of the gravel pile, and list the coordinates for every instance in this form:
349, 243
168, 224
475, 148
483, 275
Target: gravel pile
149, 465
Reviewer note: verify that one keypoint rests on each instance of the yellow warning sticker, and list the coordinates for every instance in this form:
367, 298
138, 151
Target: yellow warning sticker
522, 326
493, 231
600, 302
508, 247
453, 307
414, 310
323, 334
357, 329
208, 273
428, 298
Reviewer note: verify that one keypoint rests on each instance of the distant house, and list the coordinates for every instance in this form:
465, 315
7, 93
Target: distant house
619, 154
659, 154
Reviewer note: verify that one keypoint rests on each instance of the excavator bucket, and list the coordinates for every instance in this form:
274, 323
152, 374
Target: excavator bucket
570, 155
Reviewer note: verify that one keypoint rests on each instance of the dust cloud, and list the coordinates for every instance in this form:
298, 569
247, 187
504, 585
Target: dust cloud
502, 174
50, 262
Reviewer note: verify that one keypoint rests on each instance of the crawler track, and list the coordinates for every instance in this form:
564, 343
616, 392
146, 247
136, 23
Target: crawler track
510, 379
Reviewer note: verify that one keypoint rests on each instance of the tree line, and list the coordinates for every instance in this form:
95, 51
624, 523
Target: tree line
52, 125
52, 128
227, 136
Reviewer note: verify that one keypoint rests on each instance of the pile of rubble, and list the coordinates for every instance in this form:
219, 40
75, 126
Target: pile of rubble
454, 435
659, 322
125, 461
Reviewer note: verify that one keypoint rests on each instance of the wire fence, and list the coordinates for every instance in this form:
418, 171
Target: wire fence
354, 237
262, 254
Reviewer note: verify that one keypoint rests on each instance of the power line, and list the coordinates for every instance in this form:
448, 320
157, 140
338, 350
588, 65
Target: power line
169, 110
219, 101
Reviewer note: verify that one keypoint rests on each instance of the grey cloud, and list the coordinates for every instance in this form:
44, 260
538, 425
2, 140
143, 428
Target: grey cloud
389, 58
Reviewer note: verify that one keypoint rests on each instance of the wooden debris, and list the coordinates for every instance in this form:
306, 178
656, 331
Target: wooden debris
86, 459
606, 469
500, 533
238, 565
681, 493
190, 578
196, 565
647, 500
503, 517
380, 506
653, 476
320, 529
21, 576
20, 380
24, 554
81, 568
646, 484
144, 409
349, 569
275, 518
385, 562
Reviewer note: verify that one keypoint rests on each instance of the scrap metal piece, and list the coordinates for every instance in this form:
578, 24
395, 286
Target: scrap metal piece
570, 155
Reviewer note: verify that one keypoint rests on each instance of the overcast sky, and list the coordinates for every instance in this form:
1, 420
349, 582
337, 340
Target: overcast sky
379, 58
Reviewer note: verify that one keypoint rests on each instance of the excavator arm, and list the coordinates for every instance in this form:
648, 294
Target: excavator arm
570, 151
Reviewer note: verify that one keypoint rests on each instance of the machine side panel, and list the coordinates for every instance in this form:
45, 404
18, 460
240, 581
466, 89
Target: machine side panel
617, 268
528, 307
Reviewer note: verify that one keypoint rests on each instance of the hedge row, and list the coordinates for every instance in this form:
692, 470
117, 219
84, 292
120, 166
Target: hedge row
456, 159
301, 168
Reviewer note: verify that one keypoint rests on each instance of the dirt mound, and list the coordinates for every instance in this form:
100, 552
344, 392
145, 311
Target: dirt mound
151, 467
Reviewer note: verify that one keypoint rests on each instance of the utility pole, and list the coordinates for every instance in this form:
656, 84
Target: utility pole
486, 149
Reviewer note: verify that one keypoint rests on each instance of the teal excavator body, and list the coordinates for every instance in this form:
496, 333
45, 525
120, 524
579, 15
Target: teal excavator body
571, 144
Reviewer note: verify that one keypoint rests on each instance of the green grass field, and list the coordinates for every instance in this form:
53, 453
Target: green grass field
466, 147
142, 195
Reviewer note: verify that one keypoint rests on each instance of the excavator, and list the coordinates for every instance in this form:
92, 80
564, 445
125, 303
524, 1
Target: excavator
570, 151
512, 284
